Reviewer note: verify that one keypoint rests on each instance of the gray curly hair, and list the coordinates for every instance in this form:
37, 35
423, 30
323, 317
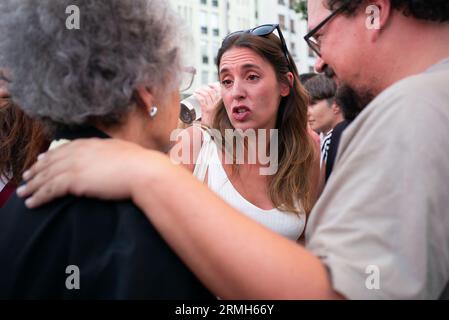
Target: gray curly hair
73, 77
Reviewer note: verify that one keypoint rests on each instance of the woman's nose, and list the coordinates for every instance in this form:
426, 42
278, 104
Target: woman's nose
238, 90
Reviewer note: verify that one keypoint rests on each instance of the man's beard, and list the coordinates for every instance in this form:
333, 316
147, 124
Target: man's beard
351, 101
329, 72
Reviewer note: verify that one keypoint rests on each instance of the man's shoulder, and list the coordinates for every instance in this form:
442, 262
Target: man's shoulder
429, 87
411, 101
414, 111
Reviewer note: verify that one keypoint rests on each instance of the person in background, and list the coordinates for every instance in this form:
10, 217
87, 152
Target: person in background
303, 78
306, 76
351, 107
324, 113
21, 141
121, 75
4, 102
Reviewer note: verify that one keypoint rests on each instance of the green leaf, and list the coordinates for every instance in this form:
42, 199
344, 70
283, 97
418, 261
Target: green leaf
300, 6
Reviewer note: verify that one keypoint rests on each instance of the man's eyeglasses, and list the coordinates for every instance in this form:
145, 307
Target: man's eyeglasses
313, 42
262, 31
188, 75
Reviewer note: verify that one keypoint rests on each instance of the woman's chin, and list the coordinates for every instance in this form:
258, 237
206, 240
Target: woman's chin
242, 125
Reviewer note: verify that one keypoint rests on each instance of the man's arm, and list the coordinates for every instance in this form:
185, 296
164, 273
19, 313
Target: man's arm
232, 255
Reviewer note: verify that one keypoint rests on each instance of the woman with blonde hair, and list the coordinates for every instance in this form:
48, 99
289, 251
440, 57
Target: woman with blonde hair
261, 93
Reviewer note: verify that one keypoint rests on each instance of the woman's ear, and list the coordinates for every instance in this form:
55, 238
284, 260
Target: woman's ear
285, 90
144, 98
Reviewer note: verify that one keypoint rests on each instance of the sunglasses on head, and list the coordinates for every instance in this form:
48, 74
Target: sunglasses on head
262, 31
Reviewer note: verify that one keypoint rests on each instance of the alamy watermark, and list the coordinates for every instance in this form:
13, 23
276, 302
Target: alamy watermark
236, 147
72, 282
373, 280
373, 19
73, 21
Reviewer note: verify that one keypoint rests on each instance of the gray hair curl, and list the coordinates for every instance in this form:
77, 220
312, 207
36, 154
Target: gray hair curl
69, 77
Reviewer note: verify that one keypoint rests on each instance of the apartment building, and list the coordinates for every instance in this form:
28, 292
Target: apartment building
210, 21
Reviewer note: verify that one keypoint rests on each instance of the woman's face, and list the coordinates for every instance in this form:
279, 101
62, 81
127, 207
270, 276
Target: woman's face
250, 90
321, 116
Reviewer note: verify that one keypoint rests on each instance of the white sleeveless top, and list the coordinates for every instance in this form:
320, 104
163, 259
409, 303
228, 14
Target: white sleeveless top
287, 224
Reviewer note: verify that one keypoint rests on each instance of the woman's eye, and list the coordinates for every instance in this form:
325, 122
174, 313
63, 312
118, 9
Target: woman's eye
226, 82
253, 77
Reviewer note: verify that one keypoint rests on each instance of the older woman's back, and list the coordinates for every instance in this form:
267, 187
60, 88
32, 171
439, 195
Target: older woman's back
97, 81
117, 252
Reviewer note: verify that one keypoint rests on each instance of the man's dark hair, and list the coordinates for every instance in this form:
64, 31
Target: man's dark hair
320, 88
431, 10
303, 78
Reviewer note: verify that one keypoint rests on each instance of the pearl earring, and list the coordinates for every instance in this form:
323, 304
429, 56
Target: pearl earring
153, 112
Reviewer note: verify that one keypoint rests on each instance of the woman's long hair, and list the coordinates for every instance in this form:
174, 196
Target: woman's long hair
21, 141
292, 182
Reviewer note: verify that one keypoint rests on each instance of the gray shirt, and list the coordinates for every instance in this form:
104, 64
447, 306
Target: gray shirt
381, 227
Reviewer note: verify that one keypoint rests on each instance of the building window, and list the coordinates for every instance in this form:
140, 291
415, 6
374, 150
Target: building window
293, 49
291, 4
203, 1
214, 3
204, 52
281, 2
203, 22
282, 21
215, 24
292, 26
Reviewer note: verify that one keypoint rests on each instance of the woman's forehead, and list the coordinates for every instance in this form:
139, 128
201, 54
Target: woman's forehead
237, 57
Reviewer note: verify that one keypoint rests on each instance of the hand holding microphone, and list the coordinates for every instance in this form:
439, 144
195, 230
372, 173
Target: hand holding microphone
201, 105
